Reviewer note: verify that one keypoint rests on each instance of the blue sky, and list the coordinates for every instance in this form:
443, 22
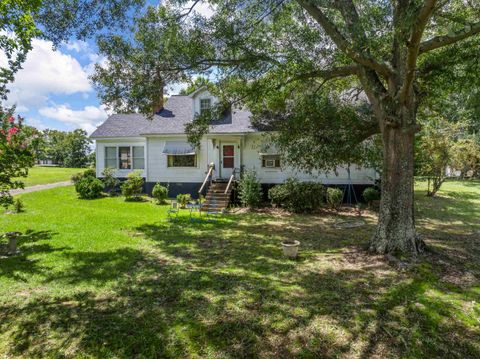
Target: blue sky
53, 90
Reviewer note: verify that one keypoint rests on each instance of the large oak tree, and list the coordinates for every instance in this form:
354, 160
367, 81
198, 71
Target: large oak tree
292, 61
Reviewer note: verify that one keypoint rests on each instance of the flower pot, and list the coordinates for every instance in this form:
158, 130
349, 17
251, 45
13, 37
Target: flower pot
12, 242
290, 249
12, 245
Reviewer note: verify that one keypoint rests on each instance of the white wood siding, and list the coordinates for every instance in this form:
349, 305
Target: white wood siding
158, 171
253, 161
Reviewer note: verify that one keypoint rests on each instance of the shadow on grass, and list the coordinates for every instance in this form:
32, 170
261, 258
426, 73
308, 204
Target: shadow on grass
456, 207
224, 290
20, 266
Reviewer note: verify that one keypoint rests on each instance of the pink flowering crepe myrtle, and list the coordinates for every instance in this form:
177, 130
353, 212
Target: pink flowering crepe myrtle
15, 156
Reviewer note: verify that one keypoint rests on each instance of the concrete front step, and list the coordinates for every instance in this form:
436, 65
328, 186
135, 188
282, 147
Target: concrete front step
217, 205
218, 196
218, 189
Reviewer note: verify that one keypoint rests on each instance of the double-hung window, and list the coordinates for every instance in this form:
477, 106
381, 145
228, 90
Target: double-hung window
110, 157
205, 104
138, 158
125, 157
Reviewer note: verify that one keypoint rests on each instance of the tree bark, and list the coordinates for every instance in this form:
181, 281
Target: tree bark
396, 222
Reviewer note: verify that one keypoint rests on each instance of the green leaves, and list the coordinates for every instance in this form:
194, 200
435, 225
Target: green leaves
55, 20
15, 155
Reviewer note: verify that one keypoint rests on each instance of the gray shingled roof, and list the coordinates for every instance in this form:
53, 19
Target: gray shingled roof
177, 112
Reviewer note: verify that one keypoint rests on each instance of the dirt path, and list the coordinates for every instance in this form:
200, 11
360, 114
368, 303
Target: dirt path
40, 187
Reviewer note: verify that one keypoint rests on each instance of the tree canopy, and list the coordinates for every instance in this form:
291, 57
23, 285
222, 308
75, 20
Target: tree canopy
291, 62
57, 21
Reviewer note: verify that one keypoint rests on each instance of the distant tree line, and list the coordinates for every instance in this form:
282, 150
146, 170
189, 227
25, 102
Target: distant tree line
66, 149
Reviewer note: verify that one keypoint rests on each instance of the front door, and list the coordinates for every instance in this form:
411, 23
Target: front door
227, 159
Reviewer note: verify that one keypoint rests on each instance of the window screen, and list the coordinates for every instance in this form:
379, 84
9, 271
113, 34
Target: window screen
138, 158
110, 157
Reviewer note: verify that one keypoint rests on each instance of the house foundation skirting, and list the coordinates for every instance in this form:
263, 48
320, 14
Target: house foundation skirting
175, 188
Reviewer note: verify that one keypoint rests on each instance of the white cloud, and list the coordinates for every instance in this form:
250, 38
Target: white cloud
78, 46
203, 8
31, 121
47, 72
88, 118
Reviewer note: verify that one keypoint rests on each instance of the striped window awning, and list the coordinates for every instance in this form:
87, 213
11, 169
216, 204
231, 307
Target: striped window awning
178, 148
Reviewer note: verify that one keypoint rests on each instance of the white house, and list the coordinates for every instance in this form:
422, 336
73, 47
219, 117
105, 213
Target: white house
160, 150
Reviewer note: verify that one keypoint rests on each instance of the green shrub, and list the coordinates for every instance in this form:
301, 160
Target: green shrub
183, 199
78, 176
299, 197
90, 173
160, 193
371, 194
111, 182
279, 194
89, 187
18, 205
132, 187
250, 190
334, 197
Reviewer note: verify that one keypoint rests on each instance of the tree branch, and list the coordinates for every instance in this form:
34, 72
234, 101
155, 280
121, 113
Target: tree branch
445, 40
423, 15
189, 10
340, 40
343, 71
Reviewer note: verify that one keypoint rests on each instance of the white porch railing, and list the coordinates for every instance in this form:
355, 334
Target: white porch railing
208, 176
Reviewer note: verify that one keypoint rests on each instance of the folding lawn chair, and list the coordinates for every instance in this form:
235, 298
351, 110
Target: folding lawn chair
172, 212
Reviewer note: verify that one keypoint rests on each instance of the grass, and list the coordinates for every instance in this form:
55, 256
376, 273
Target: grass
108, 278
43, 175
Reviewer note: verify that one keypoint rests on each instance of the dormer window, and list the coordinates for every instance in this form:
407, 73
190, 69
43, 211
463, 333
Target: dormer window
205, 104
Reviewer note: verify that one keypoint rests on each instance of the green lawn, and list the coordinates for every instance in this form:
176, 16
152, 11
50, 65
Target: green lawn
107, 278
43, 175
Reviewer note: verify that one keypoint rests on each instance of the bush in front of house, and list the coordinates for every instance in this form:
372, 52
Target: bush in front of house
132, 187
80, 175
371, 194
89, 187
76, 177
250, 190
298, 197
183, 199
160, 193
111, 182
334, 197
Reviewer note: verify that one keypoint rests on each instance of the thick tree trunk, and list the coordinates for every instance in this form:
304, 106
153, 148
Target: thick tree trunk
396, 223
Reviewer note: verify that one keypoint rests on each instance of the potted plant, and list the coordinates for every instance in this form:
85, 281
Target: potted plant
12, 242
290, 248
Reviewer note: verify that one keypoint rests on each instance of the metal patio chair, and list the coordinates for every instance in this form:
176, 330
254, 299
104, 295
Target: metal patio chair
172, 212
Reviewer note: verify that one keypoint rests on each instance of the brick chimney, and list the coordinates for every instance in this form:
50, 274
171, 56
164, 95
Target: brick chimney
158, 105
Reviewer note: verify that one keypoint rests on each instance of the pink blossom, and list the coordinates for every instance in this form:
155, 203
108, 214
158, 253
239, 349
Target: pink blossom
12, 130
11, 119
